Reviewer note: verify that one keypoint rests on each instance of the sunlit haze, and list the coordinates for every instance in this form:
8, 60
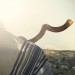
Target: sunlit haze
26, 17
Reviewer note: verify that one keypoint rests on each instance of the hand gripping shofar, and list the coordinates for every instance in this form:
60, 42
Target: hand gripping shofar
49, 28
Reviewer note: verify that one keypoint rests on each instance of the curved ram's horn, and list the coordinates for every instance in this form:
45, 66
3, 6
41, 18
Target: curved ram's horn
52, 29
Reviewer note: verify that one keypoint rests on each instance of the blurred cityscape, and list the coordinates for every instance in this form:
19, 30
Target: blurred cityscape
63, 61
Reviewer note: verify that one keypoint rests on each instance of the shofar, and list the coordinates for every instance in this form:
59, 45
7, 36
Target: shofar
9, 47
45, 27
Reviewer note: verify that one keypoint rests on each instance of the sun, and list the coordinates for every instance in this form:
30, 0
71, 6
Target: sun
9, 9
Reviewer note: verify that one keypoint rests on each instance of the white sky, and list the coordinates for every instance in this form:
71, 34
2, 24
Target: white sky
25, 18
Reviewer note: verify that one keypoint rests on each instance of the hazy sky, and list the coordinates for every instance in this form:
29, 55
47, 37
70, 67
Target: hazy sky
25, 18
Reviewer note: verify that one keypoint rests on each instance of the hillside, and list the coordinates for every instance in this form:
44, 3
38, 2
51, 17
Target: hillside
63, 62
